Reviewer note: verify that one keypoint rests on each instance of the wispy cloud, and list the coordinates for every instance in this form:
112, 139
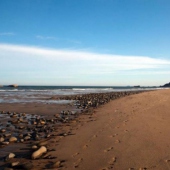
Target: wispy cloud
7, 34
105, 62
57, 39
55, 64
46, 37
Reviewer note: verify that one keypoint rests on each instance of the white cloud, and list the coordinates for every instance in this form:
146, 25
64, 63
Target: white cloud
6, 34
106, 62
58, 64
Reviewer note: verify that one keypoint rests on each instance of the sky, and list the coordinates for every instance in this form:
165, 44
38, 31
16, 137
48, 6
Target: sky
85, 42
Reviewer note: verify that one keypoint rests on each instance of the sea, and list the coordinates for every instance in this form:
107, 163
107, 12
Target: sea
42, 94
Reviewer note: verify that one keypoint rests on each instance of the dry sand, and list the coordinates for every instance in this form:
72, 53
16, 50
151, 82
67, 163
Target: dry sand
132, 132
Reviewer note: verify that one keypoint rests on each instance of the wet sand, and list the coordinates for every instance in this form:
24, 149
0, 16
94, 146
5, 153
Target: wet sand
125, 134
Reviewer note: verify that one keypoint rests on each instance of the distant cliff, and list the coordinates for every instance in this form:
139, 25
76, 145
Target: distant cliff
166, 85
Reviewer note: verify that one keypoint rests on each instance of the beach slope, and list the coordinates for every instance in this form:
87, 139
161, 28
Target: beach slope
128, 133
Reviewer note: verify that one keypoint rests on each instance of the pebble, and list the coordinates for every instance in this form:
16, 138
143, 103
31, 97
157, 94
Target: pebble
27, 138
34, 147
12, 139
21, 136
43, 143
21, 140
2, 139
7, 134
4, 143
9, 156
56, 164
2, 130
14, 164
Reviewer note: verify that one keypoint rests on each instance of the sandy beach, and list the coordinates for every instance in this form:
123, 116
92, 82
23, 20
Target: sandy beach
129, 133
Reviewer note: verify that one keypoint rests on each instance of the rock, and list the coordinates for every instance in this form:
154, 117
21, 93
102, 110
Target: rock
42, 122
39, 152
21, 140
13, 85
20, 136
46, 156
34, 147
2, 130
27, 138
9, 156
2, 139
48, 136
56, 164
21, 120
43, 143
21, 127
4, 143
27, 166
14, 164
7, 134
12, 139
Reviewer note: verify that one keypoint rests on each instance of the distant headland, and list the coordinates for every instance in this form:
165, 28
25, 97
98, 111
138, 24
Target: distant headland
166, 85
13, 85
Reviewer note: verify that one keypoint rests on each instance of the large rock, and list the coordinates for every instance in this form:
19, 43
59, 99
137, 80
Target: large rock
37, 154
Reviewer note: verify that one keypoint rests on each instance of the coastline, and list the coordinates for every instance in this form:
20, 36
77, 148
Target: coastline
116, 135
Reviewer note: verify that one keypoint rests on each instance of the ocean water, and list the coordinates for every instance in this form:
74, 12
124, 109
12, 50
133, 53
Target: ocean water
24, 94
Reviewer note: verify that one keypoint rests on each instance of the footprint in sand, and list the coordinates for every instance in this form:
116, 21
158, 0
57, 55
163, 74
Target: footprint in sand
74, 155
111, 164
112, 136
77, 163
95, 136
108, 149
85, 146
126, 131
112, 161
117, 141
167, 160
104, 169
111, 120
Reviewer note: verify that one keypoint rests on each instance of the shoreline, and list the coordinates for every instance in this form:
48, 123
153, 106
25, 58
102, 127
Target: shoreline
70, 135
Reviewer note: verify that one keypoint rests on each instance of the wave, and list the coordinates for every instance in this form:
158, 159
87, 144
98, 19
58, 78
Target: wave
38, 90
78, 89
92, 89
11, 90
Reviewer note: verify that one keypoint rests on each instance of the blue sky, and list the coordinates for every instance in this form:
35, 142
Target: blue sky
85, 42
